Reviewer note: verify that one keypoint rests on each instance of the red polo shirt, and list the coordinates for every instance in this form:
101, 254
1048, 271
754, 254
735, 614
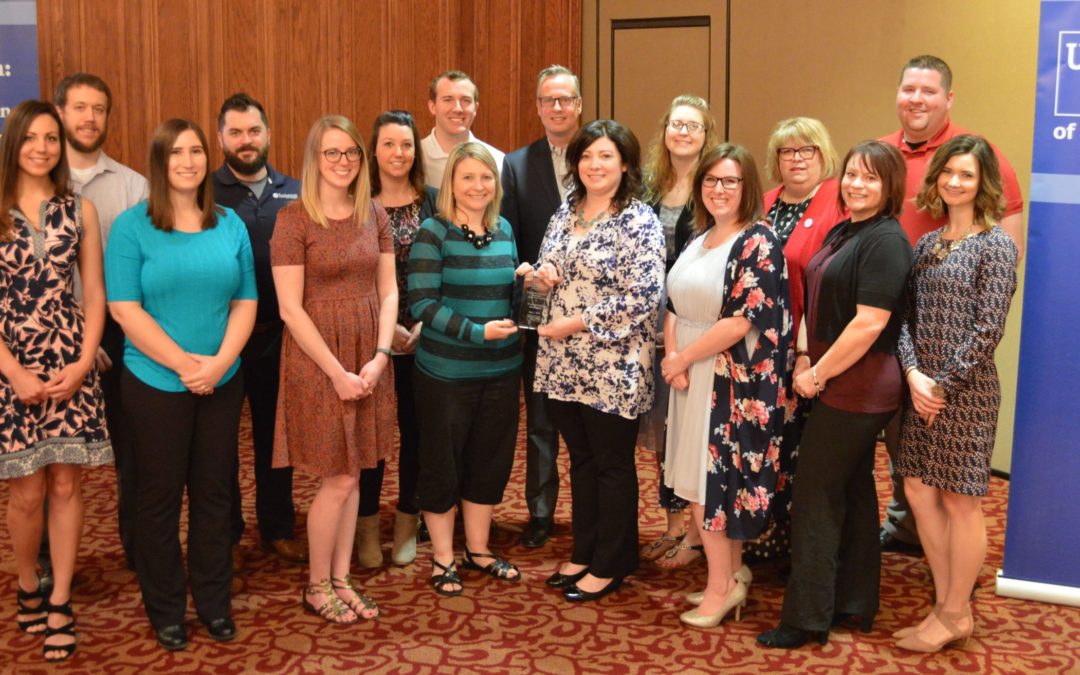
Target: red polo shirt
915, 222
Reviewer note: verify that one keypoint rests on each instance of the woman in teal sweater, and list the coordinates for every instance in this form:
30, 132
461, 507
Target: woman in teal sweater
180, 279
468, 360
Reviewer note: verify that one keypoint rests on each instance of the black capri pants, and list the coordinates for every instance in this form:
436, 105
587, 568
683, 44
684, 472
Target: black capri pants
468, 429
183, 440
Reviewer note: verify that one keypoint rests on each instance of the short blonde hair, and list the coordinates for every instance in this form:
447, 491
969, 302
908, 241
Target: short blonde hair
446, 202
360, 188
810, 130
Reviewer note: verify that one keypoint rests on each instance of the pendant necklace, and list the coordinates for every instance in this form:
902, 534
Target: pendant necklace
943, 247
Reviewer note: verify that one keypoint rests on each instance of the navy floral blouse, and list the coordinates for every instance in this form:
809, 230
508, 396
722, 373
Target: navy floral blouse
613, 277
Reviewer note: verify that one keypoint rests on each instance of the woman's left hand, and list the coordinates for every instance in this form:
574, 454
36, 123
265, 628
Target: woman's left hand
680, 382
373, 370
561, 328
672, 365
804, 384
66, 381
204, 378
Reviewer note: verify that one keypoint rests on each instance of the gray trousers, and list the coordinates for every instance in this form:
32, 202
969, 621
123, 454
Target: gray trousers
899, 520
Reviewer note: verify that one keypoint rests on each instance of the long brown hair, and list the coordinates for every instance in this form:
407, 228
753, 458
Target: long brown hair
159, 206
750, 205
16, 127
416, 173
988, 204
659, 174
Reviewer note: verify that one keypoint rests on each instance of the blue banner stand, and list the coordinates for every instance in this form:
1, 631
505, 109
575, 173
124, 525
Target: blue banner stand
18, 55
1042, 533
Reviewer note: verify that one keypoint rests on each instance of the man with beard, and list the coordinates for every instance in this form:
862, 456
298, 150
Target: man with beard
84, 103
533, 179
453, 99
248, 184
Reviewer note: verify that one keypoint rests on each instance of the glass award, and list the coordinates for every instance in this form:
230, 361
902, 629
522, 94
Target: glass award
532, 303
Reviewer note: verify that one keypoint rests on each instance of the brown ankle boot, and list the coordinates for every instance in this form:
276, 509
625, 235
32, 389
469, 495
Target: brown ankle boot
404, 550
368, 548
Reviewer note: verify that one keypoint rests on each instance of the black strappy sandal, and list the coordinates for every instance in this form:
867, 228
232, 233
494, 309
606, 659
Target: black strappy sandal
498, 568
67, 629
31, 625
449, 577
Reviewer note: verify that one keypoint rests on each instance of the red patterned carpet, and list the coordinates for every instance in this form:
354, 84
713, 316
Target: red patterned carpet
524, 628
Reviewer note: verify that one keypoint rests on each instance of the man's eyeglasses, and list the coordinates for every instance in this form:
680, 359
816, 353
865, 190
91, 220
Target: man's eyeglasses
728, 182
805, 152
335, 155
548, 102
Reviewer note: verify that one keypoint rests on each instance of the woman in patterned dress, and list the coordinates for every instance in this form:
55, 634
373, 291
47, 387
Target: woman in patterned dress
604, 256
728, 345
959, 294
397, 185
687, 130
52, 421
333, 262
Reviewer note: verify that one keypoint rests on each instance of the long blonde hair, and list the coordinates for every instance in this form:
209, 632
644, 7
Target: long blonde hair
360, 188
659, 174
446, 203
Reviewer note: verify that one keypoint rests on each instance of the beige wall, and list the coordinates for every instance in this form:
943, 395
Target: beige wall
839, 61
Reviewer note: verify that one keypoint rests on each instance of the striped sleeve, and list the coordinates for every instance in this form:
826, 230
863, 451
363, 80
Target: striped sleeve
425, 286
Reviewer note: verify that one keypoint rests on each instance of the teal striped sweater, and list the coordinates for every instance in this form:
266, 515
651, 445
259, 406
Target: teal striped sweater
455, 288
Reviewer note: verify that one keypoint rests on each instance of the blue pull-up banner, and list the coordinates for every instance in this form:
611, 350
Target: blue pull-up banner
1042, 535
18, 55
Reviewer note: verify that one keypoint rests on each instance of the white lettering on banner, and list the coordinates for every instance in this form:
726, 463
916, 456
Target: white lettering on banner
5, 70
1067, 85
1074, 58
4, 112
1065, 132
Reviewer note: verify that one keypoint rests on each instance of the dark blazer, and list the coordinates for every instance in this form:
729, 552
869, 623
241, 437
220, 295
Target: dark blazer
530, 196
684, 230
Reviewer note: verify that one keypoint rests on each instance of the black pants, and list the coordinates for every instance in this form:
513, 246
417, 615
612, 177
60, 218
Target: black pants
183, 440
467, 434
274, 510
371, 480
541, 441
603, 487
835, 554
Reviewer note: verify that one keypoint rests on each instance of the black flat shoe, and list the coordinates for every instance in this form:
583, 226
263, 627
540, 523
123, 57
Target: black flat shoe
560, 580
864, 624
537, 532
173, 638
789, 637
575, 594
222, 629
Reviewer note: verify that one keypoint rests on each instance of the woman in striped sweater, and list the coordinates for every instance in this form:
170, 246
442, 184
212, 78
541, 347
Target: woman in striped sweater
468, 361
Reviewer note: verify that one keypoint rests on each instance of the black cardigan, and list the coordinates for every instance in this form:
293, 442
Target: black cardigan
684, 230
871, 268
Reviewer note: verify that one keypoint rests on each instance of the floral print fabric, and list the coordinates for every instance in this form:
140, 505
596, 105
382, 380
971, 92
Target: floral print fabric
753, 429
41, 323
612, 277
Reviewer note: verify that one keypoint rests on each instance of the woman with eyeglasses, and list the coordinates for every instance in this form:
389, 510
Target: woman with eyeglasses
603, 258
333, 260
52, 420
687, 131
180, 277
468, 364
846, 361
728, 342
397, 185
802, 210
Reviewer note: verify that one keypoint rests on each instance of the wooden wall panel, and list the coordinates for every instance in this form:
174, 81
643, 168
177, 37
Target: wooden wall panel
304, 59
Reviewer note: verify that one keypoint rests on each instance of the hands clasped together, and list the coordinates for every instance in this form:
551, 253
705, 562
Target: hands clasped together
547, 277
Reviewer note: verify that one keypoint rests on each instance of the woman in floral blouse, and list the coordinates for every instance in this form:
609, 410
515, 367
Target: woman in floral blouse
604, 255
727, 337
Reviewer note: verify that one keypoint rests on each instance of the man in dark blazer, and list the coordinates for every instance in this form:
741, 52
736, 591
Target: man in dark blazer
533, 179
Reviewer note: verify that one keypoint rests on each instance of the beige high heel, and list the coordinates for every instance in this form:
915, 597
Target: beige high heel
915, 643
742, 575
911, 630
736, 600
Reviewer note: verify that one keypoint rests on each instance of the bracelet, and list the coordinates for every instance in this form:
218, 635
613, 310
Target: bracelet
817, 385
907, 371
383, 350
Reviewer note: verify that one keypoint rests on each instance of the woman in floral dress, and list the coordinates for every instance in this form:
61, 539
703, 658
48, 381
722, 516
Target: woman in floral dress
52, 420
728, 340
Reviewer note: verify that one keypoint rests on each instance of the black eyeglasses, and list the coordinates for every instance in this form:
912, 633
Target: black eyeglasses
728, 182
690, 127
563, 101
806, 152
334, 155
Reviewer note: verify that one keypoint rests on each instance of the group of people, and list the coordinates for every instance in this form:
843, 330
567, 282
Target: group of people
729, 329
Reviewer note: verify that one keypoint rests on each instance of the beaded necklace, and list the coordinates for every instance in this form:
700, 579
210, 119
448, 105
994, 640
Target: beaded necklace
477, 240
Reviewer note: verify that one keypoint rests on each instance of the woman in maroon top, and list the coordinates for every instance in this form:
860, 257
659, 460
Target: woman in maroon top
846, 361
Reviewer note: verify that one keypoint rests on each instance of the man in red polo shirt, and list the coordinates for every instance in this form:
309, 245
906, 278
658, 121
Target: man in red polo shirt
923, 101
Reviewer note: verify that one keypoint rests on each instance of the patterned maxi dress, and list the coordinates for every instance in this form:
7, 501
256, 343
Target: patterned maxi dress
748, 457
41, 323
954, 320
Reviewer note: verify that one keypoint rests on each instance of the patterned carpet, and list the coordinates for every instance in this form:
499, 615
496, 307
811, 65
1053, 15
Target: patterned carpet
522, 628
